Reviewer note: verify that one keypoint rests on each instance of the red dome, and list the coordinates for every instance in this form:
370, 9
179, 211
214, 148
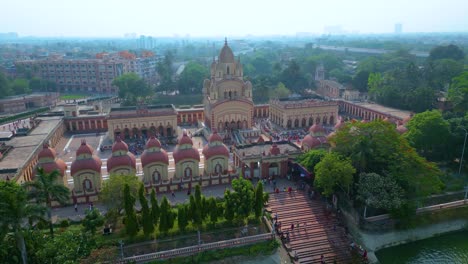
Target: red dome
185, 139
94, 164
313, 142
157, 156
401, 129
119, 145
49, 167
47, 152
84, 149
316, 128
274, 150
127, 160
181, 154
153, 142
215, 137
217, 150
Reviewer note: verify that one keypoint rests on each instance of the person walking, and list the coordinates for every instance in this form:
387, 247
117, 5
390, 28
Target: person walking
76, 207
173, 194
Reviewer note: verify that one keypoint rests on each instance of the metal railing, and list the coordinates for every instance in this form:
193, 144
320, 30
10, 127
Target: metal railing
192, 250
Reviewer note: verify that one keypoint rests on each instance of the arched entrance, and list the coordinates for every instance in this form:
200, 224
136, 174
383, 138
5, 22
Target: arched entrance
332, 120
273, 169
188, 172
156, 176
218, 169
161, 131
169, 132
126, 133
296, 122
289, 123
304, 122
87, 185
135, 132
311, 121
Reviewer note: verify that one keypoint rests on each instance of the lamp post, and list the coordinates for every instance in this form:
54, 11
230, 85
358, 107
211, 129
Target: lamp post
461, 161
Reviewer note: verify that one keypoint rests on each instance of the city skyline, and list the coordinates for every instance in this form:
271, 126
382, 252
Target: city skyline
53, 18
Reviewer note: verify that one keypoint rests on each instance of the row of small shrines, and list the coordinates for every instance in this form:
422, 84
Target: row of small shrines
86, 169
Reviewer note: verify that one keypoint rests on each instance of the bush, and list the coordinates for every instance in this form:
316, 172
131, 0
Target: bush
64, 223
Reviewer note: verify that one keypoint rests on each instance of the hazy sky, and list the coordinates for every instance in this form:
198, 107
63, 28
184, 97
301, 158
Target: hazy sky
234, 17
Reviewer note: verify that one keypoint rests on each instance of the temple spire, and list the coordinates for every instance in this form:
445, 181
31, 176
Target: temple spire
225, 41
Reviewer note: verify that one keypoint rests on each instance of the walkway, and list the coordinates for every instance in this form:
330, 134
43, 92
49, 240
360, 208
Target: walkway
318, 232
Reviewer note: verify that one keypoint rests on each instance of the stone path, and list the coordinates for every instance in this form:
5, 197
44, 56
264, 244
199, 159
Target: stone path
318, 232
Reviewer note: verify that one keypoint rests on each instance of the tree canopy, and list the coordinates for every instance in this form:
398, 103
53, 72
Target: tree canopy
191, 79
458, 93
132, 88
333, 171
379, 191
447, 52
112, 190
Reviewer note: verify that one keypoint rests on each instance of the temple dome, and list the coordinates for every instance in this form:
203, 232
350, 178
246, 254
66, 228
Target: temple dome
340, 124
316, 128
47, 152
185, 139
153, 142
313, 142
127, 160
57, 164
274, 150
226, 55
84, 148
401, 129
93, 163
215, 137
119, 145
181, 154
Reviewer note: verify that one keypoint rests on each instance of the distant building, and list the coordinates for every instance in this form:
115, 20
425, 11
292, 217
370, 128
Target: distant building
398, 28
146, 42
16, 104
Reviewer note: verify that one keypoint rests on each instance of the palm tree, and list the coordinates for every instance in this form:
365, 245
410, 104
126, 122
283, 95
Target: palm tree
16, 211
45, 189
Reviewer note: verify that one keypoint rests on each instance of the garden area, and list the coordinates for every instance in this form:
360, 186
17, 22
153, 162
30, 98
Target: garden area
66, 97
133, 225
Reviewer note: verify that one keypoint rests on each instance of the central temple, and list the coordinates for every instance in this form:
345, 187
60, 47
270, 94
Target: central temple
227, 98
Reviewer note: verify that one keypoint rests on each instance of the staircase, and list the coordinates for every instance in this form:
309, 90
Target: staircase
318, 233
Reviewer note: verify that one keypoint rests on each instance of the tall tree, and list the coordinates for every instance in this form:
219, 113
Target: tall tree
92, 220
182, 219
259, 202
458, 93
112, 190
429, 133
213, 210
379, 191
154, 208
333, 171
243, 197
4, 86
131, 223
229, 204
146, 217
165, 216
46, 188
15, 211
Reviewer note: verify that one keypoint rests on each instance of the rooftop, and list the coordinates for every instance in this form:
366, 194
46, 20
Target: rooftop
25, 146
301, 102
150, 110
402, 114
257, 149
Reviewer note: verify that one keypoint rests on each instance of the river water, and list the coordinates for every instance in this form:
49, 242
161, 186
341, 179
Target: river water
450, 248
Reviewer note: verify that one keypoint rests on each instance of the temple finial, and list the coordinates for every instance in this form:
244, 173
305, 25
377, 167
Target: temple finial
225, 41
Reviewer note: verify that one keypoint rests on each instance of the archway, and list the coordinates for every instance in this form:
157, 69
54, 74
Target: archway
218, 169
317, 120
311, 121
169, 131
332, 120
87, 185
156, 176
289, 124
188, 172
126, 133
304, 122
324, 120
135, 132
296, 122
239, 126
161, 131
273, 169
117, 133
153, 131
144, 132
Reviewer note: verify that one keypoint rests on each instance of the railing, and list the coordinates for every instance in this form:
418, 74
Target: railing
197, 249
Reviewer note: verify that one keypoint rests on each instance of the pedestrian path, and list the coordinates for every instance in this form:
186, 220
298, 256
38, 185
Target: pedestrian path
313, 232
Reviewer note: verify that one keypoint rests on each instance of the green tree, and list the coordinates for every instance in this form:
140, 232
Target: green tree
280, 91
92, 220
447, 52
154, 208
259, 202
360, 81
243, 197
443, 71
213, 207
46, 188
20, 86
311, 158
4, 86
182, 218
15, 211
375, 82
332, 171
146, 217
458, 93
131, 224
191, 79
165, 216
229, 204
112, 190
380, 191
429, 133
132, 88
